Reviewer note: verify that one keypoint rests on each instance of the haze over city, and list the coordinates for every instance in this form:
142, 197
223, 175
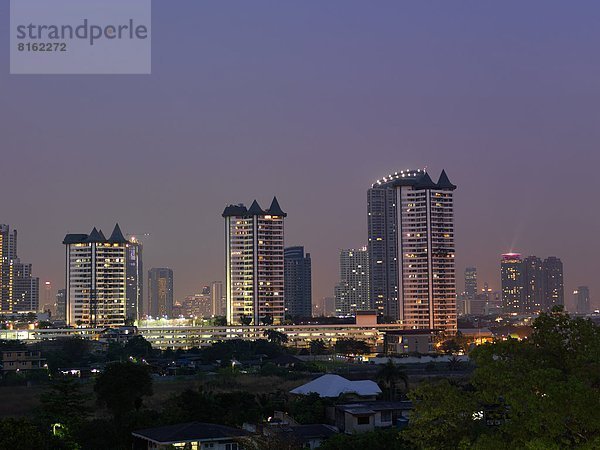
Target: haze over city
313, 103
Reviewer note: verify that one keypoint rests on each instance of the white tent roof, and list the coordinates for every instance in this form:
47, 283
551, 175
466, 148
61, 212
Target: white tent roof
330, 385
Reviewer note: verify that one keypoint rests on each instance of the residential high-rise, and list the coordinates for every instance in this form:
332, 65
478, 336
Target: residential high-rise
219, 308
352, 292
19, 289
582, 300
411, 249
511, 271
160, 292
135, 280
298, 282
96, 278
533, 285
254, 263
554, 288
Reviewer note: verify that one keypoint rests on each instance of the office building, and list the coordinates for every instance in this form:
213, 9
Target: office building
554, 288
254, 263
411, 249
352, 292
582, 300
135, 280
61, 304
471, 282
533, 286
298, 282
96, 278
511, 274
160, 292
219, 307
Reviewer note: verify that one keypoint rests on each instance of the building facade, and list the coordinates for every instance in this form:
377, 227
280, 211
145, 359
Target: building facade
511, 274
352, 292
298, 282
582, 300
554, 287
160, 292
219, 307
254, 263
19, 289
135, 280
533, 286
411, 249
61, 304
96, 279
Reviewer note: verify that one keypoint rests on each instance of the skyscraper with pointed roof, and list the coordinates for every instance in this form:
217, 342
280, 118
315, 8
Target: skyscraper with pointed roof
411, 249
96, 278
254, 263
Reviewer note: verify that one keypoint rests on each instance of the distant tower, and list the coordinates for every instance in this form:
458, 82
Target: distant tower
533, 285
471, 282
160, 292
19, 289
254, 263
511, 270
218, 303
352, 292
61, 304
582, 300
298, 282
554, 288
411, 249
135, 279
96, 278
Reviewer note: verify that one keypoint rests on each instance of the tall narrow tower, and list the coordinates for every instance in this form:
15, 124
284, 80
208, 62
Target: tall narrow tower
411, 250
254, 263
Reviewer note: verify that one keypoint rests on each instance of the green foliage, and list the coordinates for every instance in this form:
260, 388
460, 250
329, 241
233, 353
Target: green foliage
240, 350
276, 337
308, 408
389, 376
351, 347
545, 390
389, 439
122, 385
20, 434
318, 347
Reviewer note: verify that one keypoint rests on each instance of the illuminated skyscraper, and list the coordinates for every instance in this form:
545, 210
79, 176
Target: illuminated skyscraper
96, 278
160, 292
254, 263
298, 282
352, 292
219, 308
411, 249
471, 282
533, 285
135, 279
554, 288
511, 269
19, 289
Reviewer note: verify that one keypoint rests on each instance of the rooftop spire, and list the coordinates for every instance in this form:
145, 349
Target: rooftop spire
275, 209
255, 209
444, 182
117, 236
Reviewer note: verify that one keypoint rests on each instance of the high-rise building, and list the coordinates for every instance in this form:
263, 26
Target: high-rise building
219, 308
135, 280
298, 282
411, 249
96, 278
254, 263
471, 282
511, 271
554, 288
352, 292
160, 292
19, 289
582, 300
61, 304
533, 285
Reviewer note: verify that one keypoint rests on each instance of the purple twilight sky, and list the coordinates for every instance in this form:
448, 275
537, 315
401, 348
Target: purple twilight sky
312, 101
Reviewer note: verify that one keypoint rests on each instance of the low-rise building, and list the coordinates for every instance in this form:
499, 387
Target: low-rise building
367, 416
191, 436
21, 360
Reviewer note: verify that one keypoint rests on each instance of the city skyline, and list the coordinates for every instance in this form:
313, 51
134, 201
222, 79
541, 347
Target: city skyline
480, 111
